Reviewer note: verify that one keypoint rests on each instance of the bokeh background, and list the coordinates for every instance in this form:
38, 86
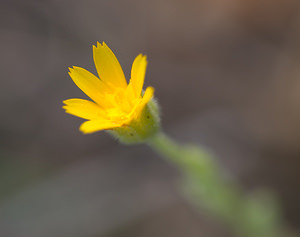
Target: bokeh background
227, 76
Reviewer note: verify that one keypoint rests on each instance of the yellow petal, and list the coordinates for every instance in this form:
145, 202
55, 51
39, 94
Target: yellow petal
83, 109
138, 72
108, 66
97, 125
146, 98
130, 94
88, 83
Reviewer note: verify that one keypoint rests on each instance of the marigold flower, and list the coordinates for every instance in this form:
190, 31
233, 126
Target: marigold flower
117, 106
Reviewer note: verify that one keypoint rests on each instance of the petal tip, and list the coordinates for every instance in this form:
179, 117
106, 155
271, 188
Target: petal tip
151, 89
84, 130
65, 102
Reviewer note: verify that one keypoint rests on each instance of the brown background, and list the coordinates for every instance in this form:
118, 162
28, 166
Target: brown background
227, 76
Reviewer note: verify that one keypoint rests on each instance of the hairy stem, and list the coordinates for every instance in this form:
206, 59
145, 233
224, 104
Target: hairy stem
204, 183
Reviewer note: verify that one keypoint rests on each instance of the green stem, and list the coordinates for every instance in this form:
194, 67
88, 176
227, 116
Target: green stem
207, 187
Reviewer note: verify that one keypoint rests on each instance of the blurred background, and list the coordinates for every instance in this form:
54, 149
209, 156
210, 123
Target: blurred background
227, 76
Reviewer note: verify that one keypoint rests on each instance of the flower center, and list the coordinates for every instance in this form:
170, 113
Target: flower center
121, 108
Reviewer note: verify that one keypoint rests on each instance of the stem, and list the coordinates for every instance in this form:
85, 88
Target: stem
205, 185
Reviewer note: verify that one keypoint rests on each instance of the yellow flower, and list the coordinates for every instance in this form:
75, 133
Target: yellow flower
116, 104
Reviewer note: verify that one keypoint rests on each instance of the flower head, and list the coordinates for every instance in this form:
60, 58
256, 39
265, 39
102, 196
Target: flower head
116, 106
